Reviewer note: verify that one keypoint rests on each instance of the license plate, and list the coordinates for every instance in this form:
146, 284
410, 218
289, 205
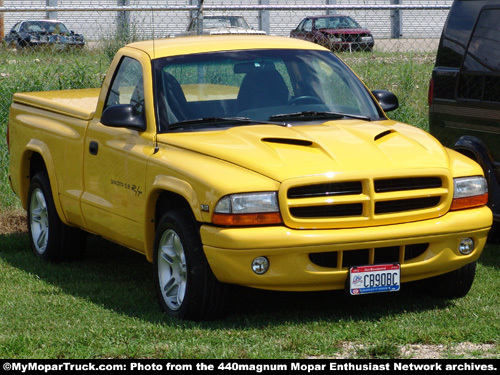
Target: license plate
376, 278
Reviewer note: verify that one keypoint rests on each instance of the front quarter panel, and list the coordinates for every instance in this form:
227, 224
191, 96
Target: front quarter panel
462, 166
200, 180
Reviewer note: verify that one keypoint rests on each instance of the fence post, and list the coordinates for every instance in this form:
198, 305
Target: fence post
193, 13
331, 2
264, 17
199, 25
123, 21
2, 32
396, 21
51, 15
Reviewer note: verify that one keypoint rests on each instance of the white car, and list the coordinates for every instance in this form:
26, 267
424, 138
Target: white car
217, 25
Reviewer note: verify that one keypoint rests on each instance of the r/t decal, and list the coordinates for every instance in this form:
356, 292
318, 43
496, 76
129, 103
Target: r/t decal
136, 189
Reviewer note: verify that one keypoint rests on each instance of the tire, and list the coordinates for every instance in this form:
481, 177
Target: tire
50, 239
185, 285
455, 284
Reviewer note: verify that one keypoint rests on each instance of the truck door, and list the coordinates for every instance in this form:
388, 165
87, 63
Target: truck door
113, 202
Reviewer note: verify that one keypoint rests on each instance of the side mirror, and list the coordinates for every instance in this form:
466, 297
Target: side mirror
124, 116
387, 100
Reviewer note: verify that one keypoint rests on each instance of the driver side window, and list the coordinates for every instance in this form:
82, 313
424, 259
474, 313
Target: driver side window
127, 86
308, 25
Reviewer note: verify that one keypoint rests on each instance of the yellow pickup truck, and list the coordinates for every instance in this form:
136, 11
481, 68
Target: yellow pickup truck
258, 161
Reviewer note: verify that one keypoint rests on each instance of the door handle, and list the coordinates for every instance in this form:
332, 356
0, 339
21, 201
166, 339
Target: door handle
93, 147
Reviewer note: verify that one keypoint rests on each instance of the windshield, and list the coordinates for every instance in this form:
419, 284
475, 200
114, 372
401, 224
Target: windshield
213, 22
220, 89
336, 23
45, 27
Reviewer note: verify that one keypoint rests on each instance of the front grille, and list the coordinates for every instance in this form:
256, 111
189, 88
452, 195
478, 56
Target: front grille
350, 37
353, 38
326, 189
401, 205
409, 183
380, 255
364, 202
337, 210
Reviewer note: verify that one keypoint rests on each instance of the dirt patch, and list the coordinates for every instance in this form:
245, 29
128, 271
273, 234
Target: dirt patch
13, 221
460, 350
420, 351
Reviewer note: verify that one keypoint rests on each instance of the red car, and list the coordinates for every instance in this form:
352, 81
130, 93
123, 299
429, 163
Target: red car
335, 32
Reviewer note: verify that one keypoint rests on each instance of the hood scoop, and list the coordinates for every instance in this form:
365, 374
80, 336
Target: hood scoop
383, 134
289, 141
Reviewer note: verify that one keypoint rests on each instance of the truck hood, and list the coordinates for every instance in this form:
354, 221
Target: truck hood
281, 152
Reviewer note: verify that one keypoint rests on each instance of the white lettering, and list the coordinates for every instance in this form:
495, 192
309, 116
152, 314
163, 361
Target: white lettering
417, 367
145, 367
296, 366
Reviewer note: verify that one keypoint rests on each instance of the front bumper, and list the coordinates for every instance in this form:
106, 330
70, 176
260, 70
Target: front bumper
56, 41
352, 46
424, 249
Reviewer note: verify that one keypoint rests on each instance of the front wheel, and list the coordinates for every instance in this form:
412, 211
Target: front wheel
455, 284
185, 285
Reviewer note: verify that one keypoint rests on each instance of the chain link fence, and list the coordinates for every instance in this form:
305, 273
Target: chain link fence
396, 24
406, 35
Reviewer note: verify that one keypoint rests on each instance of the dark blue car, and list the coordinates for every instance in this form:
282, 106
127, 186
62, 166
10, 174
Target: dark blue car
43, 33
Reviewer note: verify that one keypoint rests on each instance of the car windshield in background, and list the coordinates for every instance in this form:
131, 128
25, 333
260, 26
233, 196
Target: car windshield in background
41, 27
212, 22
224, 89
336, 23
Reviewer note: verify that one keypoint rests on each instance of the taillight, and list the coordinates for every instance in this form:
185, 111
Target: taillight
430, 93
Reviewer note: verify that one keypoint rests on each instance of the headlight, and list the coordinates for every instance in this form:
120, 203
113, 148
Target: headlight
247, 209
469, 192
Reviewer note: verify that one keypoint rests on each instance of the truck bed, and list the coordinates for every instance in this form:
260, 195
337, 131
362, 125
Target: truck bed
79, 103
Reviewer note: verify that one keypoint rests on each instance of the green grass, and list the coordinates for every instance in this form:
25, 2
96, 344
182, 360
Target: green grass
405, 74
105, 307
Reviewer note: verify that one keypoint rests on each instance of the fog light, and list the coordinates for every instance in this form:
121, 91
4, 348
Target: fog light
466, 246
260, 265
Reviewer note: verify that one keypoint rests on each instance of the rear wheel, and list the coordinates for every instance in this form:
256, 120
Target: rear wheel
185, 285
50, 239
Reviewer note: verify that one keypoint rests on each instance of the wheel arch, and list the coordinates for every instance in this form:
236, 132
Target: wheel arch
169, 195
37, 158
477, 150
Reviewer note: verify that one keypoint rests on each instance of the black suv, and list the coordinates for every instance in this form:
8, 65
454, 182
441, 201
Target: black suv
464, 92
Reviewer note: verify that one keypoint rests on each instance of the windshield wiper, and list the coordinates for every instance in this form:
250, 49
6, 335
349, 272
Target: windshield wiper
220, 121
318, 114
